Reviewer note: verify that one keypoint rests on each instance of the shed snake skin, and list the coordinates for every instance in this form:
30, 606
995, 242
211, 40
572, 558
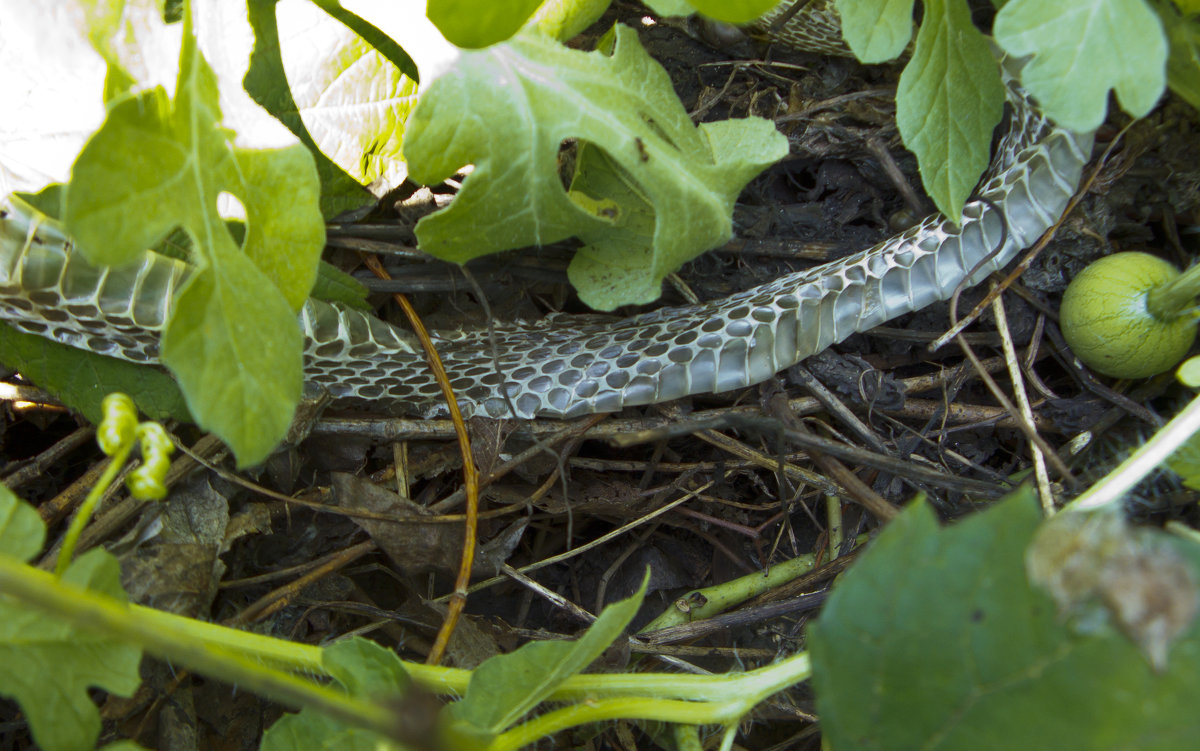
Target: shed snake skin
558, 368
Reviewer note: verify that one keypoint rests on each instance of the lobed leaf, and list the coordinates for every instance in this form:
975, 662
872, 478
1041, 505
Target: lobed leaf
507, 111
158, 163
1081, 50
46, 665
669, 8
949, 101
62, 62
365, 669
937, 640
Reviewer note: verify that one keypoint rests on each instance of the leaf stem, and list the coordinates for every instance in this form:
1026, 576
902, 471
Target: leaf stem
1175, 298
88, 507
1141, 462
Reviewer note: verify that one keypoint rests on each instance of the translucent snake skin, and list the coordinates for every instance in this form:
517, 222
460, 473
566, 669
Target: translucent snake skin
558, 368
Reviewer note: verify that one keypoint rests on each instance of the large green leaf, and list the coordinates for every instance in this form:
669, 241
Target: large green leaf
508, 109
876, 30
266, 81
733, 11
949, 101
1082, 49
478, 23
160, 162
937, 640
341, 92
81, 379
46, 665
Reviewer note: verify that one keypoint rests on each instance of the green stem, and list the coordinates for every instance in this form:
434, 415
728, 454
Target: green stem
1141, 462
709, 601
1168, 301
627, 708
714, 688
716, 700
94, 612
88, 507
268, 665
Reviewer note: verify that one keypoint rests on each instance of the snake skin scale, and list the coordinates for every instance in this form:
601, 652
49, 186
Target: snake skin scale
554, 367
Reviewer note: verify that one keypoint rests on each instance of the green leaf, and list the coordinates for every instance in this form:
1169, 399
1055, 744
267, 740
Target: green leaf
21, 529
1189, 372
335, 285
1183, 56
1082, 49
473, 24
337, 91
949, 101
48, 667
81, 379
564, 19
266, 82
876, 30
529, 95
237, 354
506, 687
308, 730
1185, 462
733, 11
668, 8
936, 640
364, 669
158, 163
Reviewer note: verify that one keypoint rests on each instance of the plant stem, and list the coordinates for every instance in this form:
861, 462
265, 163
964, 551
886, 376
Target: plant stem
752, 686
1168, 301
630, 708
1141, 462
720, 700
95, 612
719, 598
88, 507
266, 665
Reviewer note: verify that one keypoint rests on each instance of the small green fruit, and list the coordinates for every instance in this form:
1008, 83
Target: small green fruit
1105, 320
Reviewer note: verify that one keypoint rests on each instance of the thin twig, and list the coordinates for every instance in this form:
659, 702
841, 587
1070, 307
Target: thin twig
458, 599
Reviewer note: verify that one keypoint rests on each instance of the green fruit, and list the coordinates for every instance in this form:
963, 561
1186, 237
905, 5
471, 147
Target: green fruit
1105, 320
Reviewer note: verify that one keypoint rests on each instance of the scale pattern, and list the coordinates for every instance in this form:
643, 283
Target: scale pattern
557, 367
